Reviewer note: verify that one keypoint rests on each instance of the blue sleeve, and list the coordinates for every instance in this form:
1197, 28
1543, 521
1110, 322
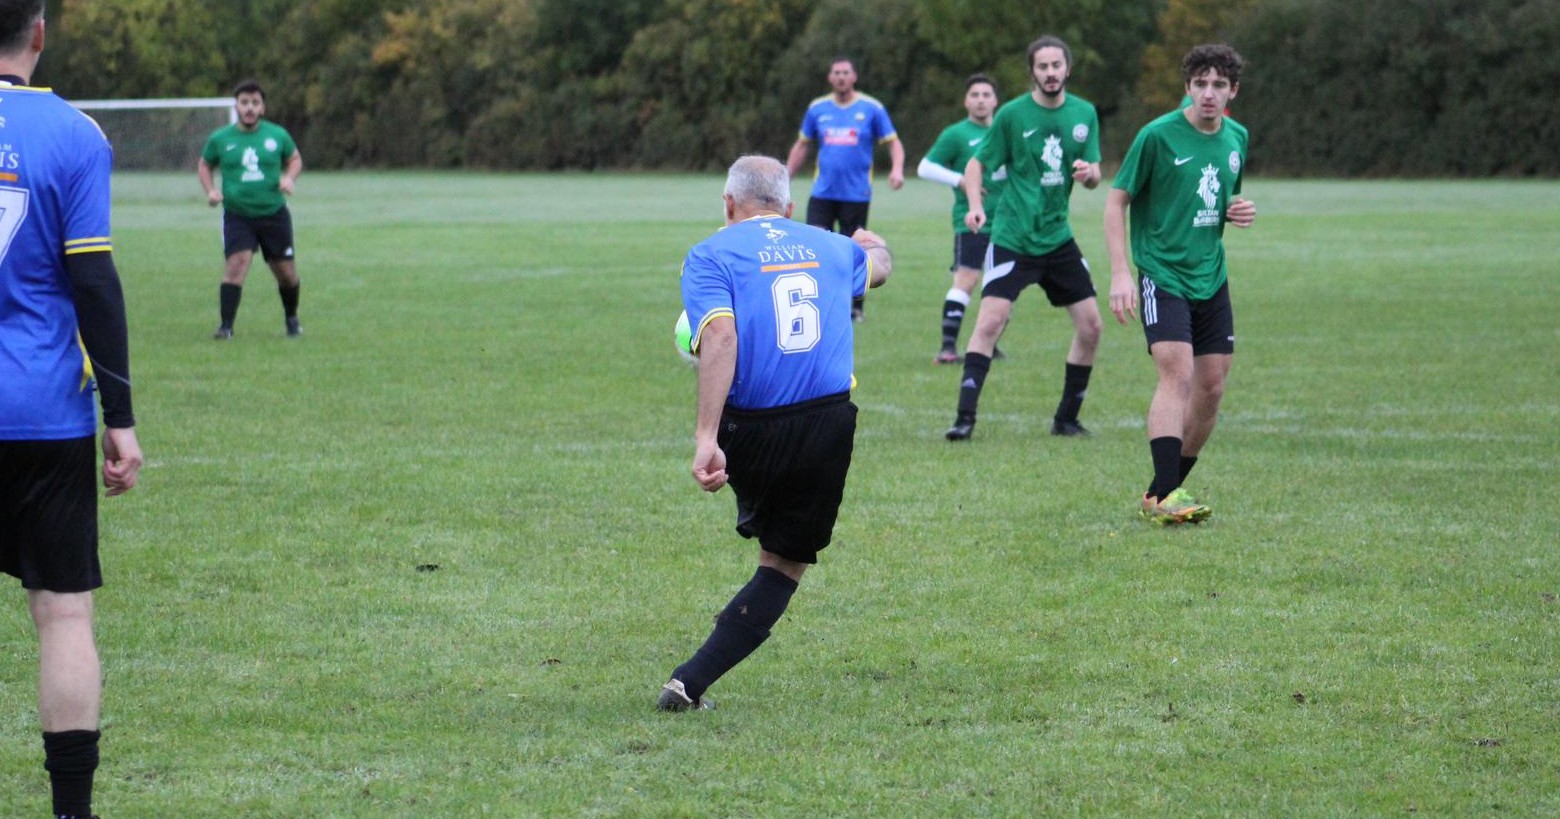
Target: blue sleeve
884, 125
809, 128
861, 275
706, 291
87, 201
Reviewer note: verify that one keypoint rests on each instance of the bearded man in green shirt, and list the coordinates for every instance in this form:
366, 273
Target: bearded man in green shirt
259, 163
1180, 180
1047, 140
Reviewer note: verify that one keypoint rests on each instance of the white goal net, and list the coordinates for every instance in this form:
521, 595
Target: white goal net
158, 134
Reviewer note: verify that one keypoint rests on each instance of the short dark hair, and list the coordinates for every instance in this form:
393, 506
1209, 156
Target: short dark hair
842, 58
16, 17
249, 87
1217, 56
1049, 41
978, 78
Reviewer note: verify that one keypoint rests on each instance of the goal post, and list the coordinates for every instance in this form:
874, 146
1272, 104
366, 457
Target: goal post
158, 134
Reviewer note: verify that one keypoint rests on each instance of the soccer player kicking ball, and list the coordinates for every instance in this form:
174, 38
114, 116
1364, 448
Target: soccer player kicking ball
1180, 179
769, 300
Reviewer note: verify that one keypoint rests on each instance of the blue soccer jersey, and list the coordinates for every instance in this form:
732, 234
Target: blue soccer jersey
788, 286
846, 136
54, 201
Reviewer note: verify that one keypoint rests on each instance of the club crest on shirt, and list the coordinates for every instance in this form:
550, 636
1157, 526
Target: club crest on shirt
1234, 162
270, 144
1208, 190
1051, 155
1080, 133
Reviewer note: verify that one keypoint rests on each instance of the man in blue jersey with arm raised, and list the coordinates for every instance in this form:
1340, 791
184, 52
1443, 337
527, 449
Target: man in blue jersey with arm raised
62, 327
847, 125
769, 300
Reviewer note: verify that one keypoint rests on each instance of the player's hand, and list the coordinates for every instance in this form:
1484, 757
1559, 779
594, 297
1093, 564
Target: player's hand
896, 179
867, 238
121, 460
709, 466
214, 197
975, 219
1083, 173
1241, 212
285, 185
1123, 297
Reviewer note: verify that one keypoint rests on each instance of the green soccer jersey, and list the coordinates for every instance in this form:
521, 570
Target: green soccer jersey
251, 164
1181, 181
952, 150
1038, 145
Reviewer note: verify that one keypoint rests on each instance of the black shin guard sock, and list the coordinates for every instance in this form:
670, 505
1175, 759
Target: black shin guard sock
1187, 462
1074, 385
1166, 453
976, 366
289, 299
230, 296
71, 758
739, 629
952, 320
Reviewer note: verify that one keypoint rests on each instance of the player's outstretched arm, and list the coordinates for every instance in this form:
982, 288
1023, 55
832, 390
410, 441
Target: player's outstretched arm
933, 172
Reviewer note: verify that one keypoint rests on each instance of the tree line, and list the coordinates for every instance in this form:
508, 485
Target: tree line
1333, 87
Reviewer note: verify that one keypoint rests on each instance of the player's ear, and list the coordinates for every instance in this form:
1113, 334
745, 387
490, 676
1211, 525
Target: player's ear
789, 208
731, 208
37, 36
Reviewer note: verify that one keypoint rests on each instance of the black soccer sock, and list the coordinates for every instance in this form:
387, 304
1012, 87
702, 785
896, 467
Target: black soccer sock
1074, 385
231, 293
1166, 453
739, 629
71, 758
954, 305
1187, 462
858, 304
289, 298
976, 366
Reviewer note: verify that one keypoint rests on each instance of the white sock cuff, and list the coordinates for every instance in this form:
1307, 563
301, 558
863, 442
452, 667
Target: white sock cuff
957, 295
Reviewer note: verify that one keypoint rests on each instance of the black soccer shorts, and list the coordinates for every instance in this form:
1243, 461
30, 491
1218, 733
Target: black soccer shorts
1208, 325
969, 250
826, 213
1063, 274
49, 514
787, 467
272, 234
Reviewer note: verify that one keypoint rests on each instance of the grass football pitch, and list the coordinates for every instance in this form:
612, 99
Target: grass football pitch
437, 556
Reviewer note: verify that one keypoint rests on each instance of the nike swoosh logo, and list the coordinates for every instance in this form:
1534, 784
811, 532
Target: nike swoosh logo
1030, 131
1182, 160
975, 141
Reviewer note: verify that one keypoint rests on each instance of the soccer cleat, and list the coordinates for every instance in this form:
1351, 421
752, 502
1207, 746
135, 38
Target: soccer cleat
963, 427
1069, 428
223, 333
1146, 506
294, 329
947, 355
1179, 507
675, 698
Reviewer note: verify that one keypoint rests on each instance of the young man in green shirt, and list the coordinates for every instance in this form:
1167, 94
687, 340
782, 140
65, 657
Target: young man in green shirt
945, 163
1047, 140
259, 163
1180, 179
